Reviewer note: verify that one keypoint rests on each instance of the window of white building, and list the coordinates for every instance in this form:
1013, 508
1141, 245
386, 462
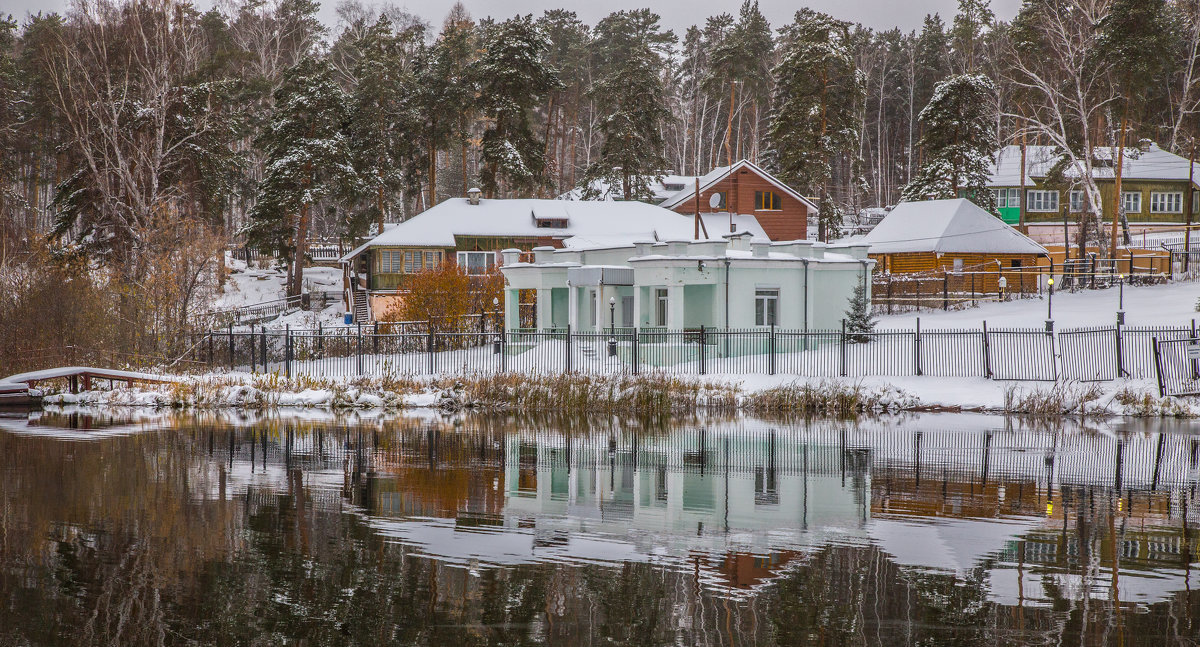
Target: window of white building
766, 306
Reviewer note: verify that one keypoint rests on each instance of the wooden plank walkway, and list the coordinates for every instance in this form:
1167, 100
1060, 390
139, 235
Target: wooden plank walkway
79, 376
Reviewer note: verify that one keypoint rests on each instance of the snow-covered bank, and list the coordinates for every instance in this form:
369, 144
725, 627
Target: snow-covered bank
653, 395
1145, 305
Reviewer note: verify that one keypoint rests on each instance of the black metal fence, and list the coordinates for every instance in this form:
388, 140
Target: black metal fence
1177, 364
1084, 354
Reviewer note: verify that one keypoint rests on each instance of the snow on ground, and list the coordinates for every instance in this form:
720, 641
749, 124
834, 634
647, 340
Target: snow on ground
262, 282
1173, 303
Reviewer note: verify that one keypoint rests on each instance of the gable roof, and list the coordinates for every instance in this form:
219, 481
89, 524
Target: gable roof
721, 172
946, 226
603, 223
1151, 164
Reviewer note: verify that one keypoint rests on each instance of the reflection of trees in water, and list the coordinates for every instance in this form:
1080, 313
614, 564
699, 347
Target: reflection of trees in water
137, 540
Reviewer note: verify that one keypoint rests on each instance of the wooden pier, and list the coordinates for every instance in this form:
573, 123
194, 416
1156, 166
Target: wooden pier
76, 377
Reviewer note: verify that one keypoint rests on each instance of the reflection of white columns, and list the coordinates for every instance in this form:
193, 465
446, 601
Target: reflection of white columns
512, 309
544, 309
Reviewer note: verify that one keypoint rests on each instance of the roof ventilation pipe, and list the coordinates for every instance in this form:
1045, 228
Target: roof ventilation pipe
473, 194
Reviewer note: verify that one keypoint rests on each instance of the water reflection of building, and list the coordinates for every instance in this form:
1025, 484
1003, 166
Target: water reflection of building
739, 503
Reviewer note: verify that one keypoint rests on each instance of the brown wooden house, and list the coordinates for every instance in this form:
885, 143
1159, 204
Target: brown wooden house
951, 236
746, 189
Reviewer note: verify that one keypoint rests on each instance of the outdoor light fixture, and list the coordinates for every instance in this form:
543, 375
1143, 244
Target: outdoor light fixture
700, 265
612, 326
1050, 306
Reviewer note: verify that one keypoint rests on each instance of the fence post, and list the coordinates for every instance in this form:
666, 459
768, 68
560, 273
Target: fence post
429, 347
917, 354
945, 290
359, 349
1120, 351
1193, 363
210, 350
636, 351
320, 339
231, 347
772, 367
568, 348
262, 330
843, 345
375, 337
253, 352
1157, 366
702, 353
987, 354
287, 351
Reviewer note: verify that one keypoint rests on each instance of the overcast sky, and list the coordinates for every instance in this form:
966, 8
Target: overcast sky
677, 14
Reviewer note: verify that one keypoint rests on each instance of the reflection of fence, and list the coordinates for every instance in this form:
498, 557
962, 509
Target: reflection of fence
416, 348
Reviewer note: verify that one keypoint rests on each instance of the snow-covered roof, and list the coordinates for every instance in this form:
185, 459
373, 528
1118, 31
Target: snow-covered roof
721, 172
1152, 164
946, 226
609, 222
661, 188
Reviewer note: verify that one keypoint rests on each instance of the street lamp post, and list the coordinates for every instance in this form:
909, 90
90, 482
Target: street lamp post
1050, 306
612, 326
1120, 299
496, 343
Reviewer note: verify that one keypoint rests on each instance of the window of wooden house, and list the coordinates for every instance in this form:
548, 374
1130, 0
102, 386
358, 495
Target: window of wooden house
390, 261
1042, 201
1166, 202
1076, 199
1131, 201
1016, 262
476, 262
767, 201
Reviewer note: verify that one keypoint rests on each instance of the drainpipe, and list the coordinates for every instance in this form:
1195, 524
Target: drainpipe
805, 304
726, 292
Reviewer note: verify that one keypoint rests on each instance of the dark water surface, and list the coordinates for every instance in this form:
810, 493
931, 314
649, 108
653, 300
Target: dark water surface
310, 530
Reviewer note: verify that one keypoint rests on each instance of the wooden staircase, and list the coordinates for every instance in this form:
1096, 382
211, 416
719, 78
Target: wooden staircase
362, 308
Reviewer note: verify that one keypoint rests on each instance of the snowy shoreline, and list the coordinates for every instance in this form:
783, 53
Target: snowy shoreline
778, 394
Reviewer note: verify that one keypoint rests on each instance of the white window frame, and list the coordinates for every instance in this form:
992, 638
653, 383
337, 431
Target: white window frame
1131, 199
662, 306
1040, 201
464, 261
1075, 202
1006, 198
1166, 202
766, 306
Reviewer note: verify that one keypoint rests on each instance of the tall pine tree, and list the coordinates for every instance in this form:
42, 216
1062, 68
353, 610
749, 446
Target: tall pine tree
513, 78
384, 122
958, 140
814, 121
631, 99
308, 160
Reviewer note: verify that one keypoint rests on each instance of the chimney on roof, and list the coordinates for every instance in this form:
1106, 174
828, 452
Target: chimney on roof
473, 194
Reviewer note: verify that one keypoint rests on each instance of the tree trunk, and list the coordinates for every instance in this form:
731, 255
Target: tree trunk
297, 278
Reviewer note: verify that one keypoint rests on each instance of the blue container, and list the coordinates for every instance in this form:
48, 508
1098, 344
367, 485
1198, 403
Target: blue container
348, 319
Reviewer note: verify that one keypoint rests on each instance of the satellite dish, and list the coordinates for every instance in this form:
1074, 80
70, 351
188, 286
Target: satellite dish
714, 200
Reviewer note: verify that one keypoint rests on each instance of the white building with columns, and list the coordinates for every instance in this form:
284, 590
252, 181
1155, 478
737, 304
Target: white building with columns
732, 283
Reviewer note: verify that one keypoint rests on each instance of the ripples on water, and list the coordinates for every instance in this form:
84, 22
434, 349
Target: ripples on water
941, 529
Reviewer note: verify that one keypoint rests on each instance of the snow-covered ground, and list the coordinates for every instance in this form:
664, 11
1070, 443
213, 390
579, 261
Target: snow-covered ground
1173, 303
264, 282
